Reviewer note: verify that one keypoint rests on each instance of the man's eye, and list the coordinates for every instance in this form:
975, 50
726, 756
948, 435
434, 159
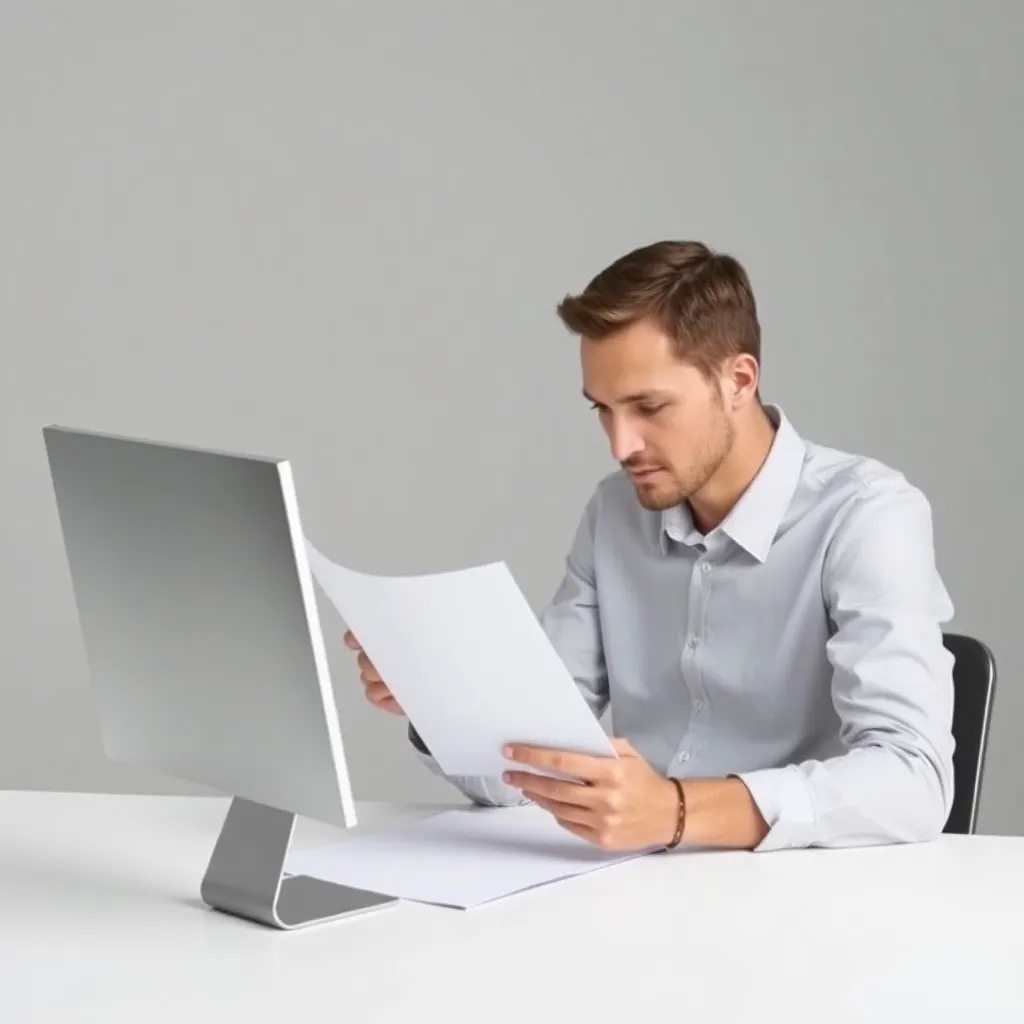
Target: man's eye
650, 410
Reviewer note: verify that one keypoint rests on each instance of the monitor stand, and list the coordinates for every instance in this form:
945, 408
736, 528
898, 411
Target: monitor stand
245, 876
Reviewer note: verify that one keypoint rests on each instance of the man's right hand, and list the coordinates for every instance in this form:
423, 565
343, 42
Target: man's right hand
377, 692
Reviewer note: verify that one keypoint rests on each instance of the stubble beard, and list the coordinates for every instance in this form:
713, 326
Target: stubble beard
663, 494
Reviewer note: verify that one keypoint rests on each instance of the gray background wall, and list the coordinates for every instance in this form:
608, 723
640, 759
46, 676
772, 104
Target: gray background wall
337, 232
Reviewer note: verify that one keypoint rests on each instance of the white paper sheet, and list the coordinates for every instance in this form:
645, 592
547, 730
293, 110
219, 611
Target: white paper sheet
460, 858
468, 660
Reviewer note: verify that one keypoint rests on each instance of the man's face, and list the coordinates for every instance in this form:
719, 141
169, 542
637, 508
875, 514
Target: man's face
667, 424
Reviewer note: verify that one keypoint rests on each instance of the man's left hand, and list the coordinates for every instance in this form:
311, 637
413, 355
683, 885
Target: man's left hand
621, 804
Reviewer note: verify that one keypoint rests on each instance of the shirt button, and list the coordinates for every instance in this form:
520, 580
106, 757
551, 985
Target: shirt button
706, 568
698, 704
684, 756
692, 642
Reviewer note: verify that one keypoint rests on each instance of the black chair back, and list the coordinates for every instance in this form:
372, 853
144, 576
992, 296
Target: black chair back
974, 682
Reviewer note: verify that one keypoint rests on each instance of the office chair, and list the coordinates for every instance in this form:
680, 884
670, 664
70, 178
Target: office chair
974, 681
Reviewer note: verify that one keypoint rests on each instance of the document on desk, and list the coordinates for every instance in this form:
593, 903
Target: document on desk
467, 659
461, 858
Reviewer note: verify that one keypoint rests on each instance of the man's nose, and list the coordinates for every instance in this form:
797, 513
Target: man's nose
625, 442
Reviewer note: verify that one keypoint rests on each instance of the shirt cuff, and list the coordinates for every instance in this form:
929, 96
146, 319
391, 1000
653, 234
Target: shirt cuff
417, 741
783, 797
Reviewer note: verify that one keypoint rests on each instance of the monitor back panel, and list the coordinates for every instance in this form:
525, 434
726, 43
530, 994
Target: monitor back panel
199, 619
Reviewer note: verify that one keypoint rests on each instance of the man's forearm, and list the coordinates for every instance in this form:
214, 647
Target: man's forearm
721, 812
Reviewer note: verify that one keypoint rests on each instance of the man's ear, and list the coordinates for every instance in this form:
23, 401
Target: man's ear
743, 376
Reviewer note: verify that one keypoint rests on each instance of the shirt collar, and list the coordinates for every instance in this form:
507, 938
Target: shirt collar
755, 519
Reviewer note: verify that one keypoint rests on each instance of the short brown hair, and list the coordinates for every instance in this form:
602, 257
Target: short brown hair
701, 299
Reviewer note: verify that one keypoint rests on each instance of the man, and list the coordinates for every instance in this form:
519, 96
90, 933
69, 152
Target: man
762, 614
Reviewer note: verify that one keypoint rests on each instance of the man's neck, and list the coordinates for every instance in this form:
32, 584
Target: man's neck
754, 439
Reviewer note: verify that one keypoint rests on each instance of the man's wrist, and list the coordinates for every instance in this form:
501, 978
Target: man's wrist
722, 812
668, 812
677, 818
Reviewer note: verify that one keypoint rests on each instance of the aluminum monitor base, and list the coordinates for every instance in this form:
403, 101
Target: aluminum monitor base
245, 876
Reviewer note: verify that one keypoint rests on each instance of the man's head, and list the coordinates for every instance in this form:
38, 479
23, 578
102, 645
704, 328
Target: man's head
670, 347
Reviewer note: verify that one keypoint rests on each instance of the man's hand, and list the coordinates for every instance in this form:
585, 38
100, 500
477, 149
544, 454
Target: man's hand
377, 692
623, 803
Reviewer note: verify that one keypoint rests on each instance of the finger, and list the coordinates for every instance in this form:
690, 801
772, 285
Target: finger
369, 671
351, 642
564, 762
623, 747
377, 692
567, 813
388, 704
568, 793
583, 831
600, 836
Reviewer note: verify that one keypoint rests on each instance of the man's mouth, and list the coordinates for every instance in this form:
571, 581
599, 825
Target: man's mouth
642, 472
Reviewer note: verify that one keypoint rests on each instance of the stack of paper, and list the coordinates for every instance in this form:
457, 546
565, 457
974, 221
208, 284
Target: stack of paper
460, 858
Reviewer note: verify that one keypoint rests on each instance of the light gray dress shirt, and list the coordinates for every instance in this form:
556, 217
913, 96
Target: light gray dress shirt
797, 645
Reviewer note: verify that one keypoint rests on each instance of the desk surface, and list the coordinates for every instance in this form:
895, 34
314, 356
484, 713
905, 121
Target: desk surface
100, 919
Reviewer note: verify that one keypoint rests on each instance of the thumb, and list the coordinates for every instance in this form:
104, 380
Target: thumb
624, 747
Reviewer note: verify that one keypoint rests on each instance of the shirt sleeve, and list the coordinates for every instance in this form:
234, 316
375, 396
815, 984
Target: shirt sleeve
571, 622
892, 687
572, 618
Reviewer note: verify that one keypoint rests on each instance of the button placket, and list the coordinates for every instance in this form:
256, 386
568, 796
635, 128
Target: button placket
700, 599
689, 662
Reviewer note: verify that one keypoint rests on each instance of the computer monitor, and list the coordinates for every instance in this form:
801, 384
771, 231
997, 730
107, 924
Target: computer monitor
203, 643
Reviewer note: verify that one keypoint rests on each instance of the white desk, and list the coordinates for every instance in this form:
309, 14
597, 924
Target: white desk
100, 920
